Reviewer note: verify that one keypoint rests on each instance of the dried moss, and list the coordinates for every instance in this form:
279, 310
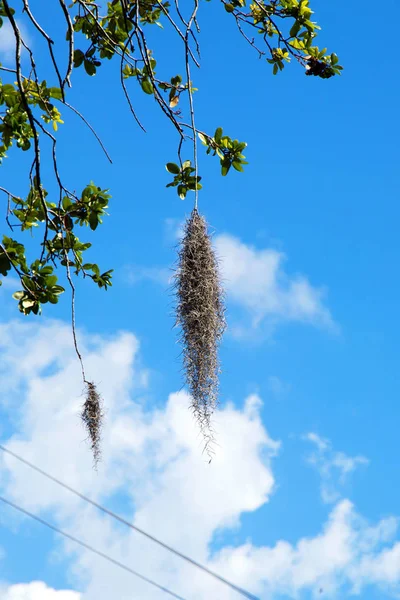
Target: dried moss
92, 417
200, 314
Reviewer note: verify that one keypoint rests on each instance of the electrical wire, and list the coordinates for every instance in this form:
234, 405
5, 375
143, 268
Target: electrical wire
90, 548
110, 513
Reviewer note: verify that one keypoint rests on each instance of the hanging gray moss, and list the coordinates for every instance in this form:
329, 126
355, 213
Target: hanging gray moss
200, 315
92, 417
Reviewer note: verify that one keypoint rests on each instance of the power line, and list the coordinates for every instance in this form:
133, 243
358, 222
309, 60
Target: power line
110, 513
91, 548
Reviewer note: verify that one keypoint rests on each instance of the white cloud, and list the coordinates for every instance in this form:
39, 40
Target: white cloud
321, 443
257, 282
334, 467
36, 590
153, 472
383, 568
7, 41
328, 561
152, 458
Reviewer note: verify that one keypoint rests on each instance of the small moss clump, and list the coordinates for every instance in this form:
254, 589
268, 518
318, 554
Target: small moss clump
92, 417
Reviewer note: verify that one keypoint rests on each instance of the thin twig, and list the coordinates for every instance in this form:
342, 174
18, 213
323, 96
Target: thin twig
190, 94
80, 115
70, 29
8, 70
9, 212
73, 320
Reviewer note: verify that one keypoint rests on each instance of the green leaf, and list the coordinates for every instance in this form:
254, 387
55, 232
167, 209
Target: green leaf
57, 289
147, 86
225, 141
18, 295
51, 280
172, 168
237, 165
28, 303
203, 139
56, 93
182, 191
297, 44
89, 67
78, 58
229, 8
93, 220
225, 166
66, 203
218, 135
334, 58
5, 264
295, 29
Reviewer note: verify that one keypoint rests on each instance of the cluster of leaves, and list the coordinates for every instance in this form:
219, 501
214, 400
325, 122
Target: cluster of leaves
112, 33
144, 75
38, 280
185, 178
295, 35
174, 89
40, 284
3, 12
15, 124
228, 150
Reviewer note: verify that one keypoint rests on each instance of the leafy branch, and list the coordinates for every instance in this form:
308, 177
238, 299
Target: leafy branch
31, 112
285, 31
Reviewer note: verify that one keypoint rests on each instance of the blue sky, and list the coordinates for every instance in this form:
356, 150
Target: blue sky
302, 494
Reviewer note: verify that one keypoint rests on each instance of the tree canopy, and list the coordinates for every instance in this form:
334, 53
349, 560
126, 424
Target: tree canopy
122, 32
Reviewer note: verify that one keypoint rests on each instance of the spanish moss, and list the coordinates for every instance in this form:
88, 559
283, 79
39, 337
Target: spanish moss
92, 416
200, 314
